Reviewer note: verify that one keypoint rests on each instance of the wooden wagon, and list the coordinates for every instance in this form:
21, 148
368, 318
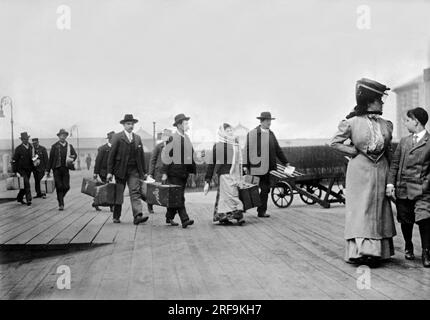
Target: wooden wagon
318, 181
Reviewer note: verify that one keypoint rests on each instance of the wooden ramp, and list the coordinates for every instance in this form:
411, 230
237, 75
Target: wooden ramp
297, 253
43, 226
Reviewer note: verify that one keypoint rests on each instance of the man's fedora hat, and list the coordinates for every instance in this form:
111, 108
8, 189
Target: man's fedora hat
265, 115
128, 118
62, 131
110, 134
24, 136
180, 117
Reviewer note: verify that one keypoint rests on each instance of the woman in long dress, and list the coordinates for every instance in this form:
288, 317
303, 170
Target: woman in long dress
369, 222
227, 164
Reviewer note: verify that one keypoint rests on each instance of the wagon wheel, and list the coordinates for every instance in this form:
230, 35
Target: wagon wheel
282, 195
313, 190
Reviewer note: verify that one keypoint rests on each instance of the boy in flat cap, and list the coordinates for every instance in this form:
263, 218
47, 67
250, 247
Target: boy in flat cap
22, 165
408, 181
100, 167
61, 159
127, 163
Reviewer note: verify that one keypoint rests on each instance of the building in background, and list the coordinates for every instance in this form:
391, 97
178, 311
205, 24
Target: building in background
412, 94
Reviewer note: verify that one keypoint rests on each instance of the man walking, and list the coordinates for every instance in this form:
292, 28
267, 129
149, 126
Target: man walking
262, 150
100, 167
156, 163
61, 160
40, 162
178, 163
127, 163
22, 165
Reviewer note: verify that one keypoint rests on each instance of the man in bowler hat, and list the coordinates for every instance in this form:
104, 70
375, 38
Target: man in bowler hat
22, 165
41, 162
127, 163
100, 167
178, 163
262, 145
61, 159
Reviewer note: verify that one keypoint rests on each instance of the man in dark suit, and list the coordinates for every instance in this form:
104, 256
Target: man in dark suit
61, 159
41, 162
100, 167
408, 183
127, 163
262, 150
22, 165
155, 163
178, 162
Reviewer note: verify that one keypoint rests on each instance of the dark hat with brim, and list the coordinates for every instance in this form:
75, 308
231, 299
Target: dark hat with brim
61, 132
128, 118
35, 139
110, 134
24, 136
372, 85
265, 115
180, 117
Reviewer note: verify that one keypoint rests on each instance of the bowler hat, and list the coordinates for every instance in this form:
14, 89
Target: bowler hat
24, 136
265, 115
110, 134
128, 118
180, 117
62, 131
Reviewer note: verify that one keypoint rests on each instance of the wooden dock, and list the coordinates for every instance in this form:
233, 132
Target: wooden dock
297, 253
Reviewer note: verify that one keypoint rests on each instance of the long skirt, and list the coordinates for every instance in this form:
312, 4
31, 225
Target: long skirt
227, 205
369, 221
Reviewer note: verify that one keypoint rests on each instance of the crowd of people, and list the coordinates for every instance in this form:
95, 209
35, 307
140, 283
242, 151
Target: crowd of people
375, 177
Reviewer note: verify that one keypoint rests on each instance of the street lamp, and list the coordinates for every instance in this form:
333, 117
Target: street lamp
75, 127
5, 102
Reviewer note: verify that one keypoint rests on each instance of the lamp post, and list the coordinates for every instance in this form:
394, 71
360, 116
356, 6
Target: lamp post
77, 144
4, 102
153, 134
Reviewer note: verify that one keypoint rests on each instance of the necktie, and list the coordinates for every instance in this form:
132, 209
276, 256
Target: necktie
414, 140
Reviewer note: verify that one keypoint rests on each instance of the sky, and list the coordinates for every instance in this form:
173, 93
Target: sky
216, 61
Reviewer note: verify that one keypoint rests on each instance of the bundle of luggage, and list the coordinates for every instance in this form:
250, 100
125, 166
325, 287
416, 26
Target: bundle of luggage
47, 184
249, 192
15, 183
165, 195
104, 194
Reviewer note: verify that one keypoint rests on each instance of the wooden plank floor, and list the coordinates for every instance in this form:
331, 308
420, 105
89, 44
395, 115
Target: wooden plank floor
295, 254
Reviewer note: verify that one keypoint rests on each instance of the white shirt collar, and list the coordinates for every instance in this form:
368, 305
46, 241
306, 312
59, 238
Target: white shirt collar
420, 135
178, 132
63, 144
264, 130
26, 146
129, 135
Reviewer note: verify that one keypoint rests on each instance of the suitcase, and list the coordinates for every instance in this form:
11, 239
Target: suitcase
249, 194
89, 186
165, 195
251, 179
15, 183
47, 185
109, 194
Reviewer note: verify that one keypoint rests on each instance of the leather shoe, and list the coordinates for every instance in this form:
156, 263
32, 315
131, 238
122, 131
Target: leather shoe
140, 219
426, 258
116, 220
187, 223
409, 254
61, 208
263, 215
29, 203
171, 222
